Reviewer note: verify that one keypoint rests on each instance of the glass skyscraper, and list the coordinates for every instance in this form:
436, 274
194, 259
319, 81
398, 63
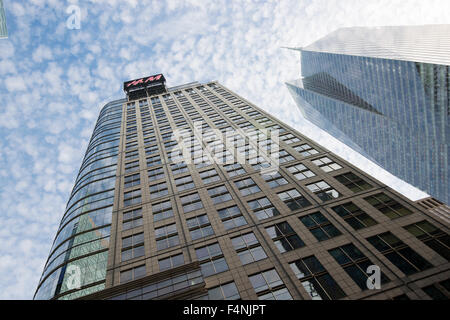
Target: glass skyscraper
172, 202
384, 91
3, 29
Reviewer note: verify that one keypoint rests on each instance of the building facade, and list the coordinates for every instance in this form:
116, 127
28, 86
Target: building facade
385, 92
3, 29
162, 209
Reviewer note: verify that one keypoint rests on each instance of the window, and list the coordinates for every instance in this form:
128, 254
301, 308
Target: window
219, 194
289, 138
234, 169
133, 180
274, 180
132, 274
151, 150
316, 280
130, 155
132, 219
387, 206
326, 164
133, 246
191, 202
178, 168
306, 150
149, 140
199, 227
248, 248
434, 292
355, 263
284, 156
209, 176
211, 259
323, 190
232, 217
353, 182
319, 226
184, 183
400, 254
159, 190
171, 262
131, 166
226, 291
293, 199
284, 237
155, 174
153, 161
201, 162
354, 216
269, 286
131, 145
162, 210
263, 208
433, 237
300, 171
132, 197
166, 237
247, 186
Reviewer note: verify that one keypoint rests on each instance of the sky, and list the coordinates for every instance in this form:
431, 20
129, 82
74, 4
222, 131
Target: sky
54, 80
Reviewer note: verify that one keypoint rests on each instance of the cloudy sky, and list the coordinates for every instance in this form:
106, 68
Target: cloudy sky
54, 80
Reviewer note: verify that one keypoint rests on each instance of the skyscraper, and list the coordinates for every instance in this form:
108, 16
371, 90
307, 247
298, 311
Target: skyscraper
3, 29
193, 192
385, 92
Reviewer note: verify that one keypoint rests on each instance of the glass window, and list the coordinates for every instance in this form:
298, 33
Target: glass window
433, 237
354, 216
353, 182
231, 217
219, 194
293, 199
211, 259
326, 164
319, 226
316, 280
247, 186
300, 171
269, 286
323, 190
248, 248
355, 263
400, 254
389, 207
166, 236
199, 227
284, 237
263, 208
132, 219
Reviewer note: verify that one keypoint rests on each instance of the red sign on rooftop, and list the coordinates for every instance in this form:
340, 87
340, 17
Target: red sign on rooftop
143, 82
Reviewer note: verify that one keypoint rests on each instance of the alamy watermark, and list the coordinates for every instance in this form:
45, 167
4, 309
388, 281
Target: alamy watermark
374, 280
74, 19
258, 148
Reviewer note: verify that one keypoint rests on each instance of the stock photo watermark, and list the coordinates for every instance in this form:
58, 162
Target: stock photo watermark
74, 277
258, 148
374, 280
73, 22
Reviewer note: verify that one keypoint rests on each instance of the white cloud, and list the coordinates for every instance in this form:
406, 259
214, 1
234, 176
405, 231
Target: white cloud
54, 82
15, 83
42, 53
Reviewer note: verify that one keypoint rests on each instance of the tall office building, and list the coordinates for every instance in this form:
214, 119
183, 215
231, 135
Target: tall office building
385, 92
3, 29
163, 209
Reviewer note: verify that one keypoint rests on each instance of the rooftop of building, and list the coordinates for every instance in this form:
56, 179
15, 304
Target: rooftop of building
419, 43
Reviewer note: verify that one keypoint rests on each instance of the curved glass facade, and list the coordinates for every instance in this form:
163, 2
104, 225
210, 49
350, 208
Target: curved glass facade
396, 111
81, 244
